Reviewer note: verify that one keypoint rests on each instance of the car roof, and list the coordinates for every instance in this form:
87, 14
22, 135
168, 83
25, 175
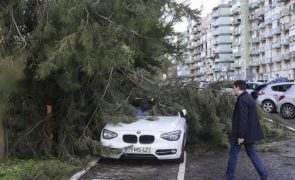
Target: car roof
281, 83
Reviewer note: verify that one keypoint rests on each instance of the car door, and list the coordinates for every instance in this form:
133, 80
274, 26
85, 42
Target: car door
278, 90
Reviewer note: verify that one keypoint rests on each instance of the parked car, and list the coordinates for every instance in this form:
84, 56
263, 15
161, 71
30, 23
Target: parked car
251, 86
277, 80
269, 96
149, 137
255, 92
203, 85
286, 104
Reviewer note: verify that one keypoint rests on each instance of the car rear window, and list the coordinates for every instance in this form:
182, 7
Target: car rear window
251, 86
281, 88
260, 87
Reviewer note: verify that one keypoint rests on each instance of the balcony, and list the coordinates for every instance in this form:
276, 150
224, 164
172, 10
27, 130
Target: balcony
275, 17
236, 11
267, 47
286, 57
237, 64
266, 61
236, 32
285, 42
285, 12
253, 17
276, 31
260, 12
262, 37
285, 26
254, 63
215, 42
224, 50
268, 35
254, 51
236, 21
276, 45
278, 58
261, 25
254, 5
268, 21
216, 69
215, 15
255, 40
261, 50
198, 29
237, 54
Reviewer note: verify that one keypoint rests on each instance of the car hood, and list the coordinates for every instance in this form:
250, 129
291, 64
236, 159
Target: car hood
148, 123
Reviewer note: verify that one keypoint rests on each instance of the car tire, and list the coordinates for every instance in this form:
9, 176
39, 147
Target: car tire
268, 106
181, 158
287, 111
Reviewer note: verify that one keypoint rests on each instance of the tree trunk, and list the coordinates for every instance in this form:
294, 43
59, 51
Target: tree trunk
2, 140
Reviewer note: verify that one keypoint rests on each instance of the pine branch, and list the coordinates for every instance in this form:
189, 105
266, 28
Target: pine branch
113, 23
27, 132
16, 26
98, 105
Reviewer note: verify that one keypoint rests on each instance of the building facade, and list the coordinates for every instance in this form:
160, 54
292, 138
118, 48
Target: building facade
244, 39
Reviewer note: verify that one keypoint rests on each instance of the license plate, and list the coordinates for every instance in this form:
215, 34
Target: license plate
145, 150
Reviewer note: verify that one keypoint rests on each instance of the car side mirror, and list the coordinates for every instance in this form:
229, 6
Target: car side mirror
183, 113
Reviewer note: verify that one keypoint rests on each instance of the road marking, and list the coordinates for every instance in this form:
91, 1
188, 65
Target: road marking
288, 127
181, 171
79, 174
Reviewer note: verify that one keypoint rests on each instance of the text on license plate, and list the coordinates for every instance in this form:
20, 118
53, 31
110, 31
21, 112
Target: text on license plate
137, 150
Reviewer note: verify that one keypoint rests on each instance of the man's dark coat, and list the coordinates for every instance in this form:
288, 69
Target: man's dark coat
245, 122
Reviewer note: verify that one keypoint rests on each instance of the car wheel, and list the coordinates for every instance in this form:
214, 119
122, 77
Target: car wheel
181, 158
268, 106
288, 111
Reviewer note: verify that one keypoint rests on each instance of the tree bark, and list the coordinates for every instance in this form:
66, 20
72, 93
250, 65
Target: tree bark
2, 140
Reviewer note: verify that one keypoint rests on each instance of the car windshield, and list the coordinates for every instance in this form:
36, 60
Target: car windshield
150, 107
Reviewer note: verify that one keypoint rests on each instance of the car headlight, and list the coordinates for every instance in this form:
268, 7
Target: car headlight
106, 134
171, 136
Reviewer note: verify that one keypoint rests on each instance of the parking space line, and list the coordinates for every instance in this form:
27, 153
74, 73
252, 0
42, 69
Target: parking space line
272, 121
79, 174
181, 171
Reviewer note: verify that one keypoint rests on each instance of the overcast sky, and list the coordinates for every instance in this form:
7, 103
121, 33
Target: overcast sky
207, 8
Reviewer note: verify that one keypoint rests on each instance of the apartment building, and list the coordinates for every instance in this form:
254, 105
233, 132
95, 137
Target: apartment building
222, 42
244, 39
272, 51
183, 71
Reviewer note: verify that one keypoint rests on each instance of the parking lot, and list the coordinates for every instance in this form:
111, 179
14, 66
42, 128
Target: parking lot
133, 169
278, 156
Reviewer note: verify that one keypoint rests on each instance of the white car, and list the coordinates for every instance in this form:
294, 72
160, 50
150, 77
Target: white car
149, 137
269, 96
286, 105
251, 86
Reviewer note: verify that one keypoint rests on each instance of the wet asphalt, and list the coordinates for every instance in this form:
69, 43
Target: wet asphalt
279, 157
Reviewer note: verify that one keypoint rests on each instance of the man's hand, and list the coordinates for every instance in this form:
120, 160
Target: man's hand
240, 141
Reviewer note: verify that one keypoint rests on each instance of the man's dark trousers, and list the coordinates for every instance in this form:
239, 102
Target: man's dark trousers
257, 162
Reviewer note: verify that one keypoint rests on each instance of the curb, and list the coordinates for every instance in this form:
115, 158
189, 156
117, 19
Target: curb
79, 174
288, 127
181, 172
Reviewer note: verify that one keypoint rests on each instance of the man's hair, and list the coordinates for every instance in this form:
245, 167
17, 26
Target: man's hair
241, 84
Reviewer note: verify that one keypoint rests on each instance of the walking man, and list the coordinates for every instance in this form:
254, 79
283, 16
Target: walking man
246, 130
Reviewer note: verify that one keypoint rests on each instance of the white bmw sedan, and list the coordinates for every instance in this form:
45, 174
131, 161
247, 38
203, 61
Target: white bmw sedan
150, 137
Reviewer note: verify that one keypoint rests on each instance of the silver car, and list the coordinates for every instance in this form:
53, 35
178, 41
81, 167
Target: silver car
286, 105
269, 96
